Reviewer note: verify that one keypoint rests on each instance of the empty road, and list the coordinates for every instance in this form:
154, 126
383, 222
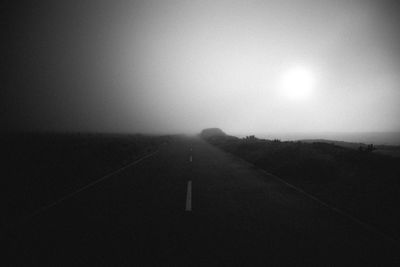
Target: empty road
191, 204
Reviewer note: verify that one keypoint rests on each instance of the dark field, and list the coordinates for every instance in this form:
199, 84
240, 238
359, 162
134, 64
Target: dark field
362, 183
38, 169
239, 215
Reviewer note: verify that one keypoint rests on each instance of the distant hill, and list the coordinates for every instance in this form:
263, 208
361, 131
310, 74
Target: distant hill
210, 132
213, 134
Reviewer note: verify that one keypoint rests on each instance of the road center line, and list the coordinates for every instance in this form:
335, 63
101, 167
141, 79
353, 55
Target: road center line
189, 197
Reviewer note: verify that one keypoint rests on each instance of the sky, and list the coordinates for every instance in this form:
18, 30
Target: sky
181, 66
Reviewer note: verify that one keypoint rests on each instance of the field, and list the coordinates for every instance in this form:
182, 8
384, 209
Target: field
40, 168
362, 183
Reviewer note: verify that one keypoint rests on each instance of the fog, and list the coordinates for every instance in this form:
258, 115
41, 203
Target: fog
180, 66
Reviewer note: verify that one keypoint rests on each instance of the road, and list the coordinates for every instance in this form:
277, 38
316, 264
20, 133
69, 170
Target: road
238, 215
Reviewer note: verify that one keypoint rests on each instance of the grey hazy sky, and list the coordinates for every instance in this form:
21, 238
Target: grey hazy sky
180, 66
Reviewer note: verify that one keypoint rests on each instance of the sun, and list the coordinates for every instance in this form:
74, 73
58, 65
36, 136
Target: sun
297, 83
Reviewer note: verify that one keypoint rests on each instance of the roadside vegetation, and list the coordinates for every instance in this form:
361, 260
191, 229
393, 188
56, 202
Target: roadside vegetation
358, 181
40, 168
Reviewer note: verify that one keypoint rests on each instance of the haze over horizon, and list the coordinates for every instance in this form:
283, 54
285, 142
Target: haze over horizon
181, 66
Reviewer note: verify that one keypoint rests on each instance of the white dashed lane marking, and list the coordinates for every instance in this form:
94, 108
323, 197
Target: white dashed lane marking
189, 196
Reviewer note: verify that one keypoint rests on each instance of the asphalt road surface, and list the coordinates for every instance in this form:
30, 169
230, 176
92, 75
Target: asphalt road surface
191, 204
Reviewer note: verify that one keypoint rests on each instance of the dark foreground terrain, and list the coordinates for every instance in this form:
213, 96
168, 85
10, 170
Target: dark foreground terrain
239, 216
40, 168
357, 178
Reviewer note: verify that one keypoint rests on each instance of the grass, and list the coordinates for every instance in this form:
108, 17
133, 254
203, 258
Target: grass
40, 168
364, 184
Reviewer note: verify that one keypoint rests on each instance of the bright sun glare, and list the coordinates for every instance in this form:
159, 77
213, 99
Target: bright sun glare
297, 83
